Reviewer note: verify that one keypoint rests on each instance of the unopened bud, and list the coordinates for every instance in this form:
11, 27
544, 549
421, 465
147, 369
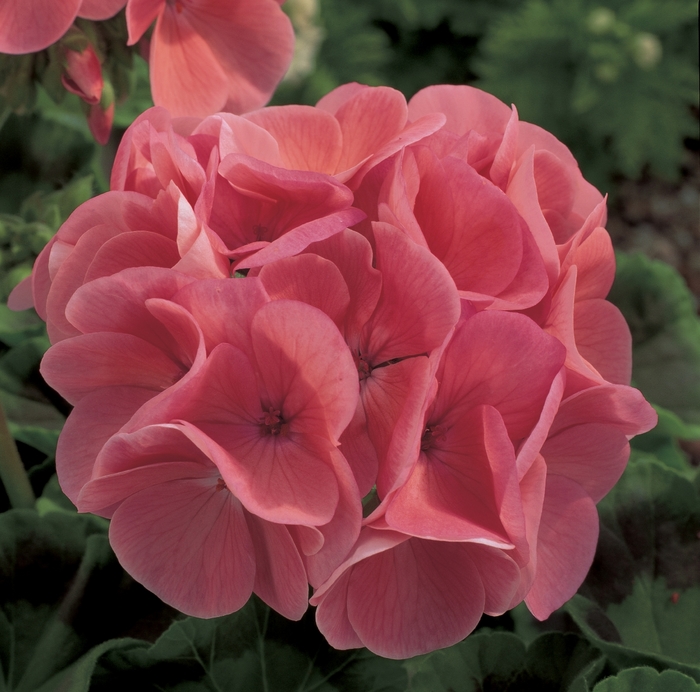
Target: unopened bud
646, 50
601, 20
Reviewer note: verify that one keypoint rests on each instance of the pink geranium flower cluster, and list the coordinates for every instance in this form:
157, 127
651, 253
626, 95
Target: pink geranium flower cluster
276, 318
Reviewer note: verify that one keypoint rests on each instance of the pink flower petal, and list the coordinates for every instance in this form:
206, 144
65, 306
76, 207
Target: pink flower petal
309, 279
280, 578
418, 305
464, 486
566, 545
97, 10
592, 454
394, 399
189, 543
77, 366
306, 366
32, 25
469, 224
95, 418
309, 138
253, 41
186, 76
603, 339
416, 597
466, 108
224, 309
140, 14
503, 360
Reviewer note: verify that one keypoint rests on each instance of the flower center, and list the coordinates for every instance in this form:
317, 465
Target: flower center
261, 232
432, 434
272, 423
364, 369
221, 485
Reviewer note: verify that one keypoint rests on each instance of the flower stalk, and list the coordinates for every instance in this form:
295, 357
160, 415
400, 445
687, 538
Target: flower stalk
12, 472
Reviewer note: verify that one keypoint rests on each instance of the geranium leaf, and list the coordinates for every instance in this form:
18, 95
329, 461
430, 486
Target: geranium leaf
55, 572
500, 661
660, 311
252, 649
647, 680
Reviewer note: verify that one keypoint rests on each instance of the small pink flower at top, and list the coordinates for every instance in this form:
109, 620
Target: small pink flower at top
27, 26
213, 55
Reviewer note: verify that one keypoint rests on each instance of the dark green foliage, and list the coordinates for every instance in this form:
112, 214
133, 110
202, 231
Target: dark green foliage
615, 82
665, 333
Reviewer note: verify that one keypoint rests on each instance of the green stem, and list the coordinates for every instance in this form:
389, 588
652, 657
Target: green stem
12, 473
4, 115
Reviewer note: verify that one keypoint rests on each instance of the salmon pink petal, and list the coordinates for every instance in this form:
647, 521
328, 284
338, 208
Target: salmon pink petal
310, 139
284, 477
530, 283
369, 119
186, 76
224, 309
140, 14
469, 224
306, 366
334, 99
135, 249
500, 576
353, 256
466, 108
359, 451
130, 462
76, 366
603, 339
280, 578
414, 598
95, 418
189, 543
522, 192
595, 262
503, 360
532, 490
299, 238
341, 532
70, 277
592, 454
32, 25
618, 405
464, 486
309, 279
566, 545
394, 399
117, 303
97, 10
411, 277
21, 297
332, 616
253, 41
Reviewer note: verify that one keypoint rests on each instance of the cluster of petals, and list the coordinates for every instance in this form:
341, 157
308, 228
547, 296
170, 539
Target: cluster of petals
363, 346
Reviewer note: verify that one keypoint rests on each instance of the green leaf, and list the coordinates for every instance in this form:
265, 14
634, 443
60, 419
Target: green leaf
665, 330
496, 658
62, 592
500, 661
250, 650
15, 327
595, 626
649, 526
647, 680
654, 618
